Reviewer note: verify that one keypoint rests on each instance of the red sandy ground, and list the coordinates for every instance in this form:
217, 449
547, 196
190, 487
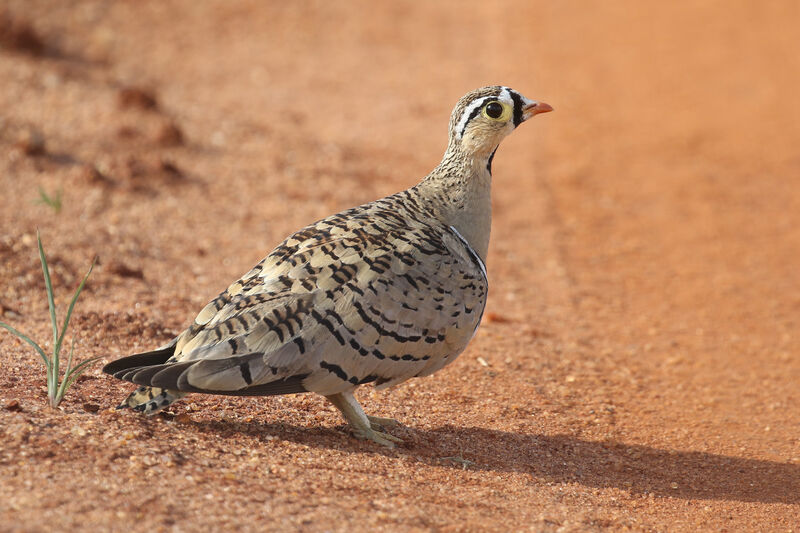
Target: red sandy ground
642, 331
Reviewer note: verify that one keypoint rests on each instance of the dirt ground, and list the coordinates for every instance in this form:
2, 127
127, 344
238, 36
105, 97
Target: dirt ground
639, 363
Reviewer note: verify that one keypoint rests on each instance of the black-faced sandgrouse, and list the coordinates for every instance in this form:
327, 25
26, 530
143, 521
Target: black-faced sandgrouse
381, 293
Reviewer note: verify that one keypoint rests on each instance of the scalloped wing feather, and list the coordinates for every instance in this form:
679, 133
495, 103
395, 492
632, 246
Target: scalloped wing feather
365, 295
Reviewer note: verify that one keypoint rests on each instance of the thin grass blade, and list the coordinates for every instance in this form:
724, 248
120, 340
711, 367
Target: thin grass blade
30, 341
73, 302
79, 369
69, 359
62, 388
49, 288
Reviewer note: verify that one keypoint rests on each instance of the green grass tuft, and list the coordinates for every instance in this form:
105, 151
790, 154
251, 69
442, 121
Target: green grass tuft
57, 386
54, 202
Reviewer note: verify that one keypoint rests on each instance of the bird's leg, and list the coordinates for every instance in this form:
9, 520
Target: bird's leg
361, 424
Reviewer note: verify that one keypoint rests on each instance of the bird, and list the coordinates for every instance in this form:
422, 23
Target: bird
380, 293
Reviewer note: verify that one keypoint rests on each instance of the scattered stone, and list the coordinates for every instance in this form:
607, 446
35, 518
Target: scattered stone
19, 35
9, 312
127, 132
136, 98
128, 168
13, 406
91, 175
143, 173
169, 168
169, 134
30, 143
91, 407
496, 318
124, 271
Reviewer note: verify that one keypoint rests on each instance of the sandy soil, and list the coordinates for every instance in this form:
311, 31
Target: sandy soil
642, 332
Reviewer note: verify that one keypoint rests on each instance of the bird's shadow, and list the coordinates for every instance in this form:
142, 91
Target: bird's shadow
562, 459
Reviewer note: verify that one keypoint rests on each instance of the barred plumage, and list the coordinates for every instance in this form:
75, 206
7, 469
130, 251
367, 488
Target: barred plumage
381, 293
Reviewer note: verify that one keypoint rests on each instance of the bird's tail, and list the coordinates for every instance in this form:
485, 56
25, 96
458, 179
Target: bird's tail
150, 400
147, 400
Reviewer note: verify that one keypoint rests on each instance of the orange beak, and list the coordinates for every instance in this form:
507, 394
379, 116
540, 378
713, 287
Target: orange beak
534, 109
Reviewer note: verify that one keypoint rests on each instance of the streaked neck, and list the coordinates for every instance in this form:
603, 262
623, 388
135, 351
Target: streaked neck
460, 189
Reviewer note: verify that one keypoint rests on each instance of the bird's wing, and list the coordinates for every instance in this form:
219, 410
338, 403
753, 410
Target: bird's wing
335, 308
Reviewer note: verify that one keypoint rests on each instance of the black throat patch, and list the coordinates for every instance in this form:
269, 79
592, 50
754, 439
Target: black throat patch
517, 107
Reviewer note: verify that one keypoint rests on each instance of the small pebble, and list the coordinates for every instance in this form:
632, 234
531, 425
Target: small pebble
13, 405
169, 135
136, 97
30, 143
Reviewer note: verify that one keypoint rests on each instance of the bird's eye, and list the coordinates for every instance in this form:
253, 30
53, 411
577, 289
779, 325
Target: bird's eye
493, 110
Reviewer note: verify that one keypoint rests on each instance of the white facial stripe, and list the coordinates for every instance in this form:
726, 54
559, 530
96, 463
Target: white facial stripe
505, 97
467, 114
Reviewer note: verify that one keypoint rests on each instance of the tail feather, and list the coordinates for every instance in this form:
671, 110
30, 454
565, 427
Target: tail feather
156, 357
146, 375
150, 400
165, 380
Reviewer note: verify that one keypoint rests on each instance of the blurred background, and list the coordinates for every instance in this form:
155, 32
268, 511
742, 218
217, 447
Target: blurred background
646, 237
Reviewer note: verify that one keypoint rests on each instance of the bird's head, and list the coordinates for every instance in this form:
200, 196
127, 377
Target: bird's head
482, 118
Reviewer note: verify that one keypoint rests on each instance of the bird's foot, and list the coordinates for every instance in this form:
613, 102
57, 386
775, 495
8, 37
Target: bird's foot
384, 439
364, 427
379, 423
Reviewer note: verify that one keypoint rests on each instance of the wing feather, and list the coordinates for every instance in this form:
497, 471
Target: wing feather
361, 296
